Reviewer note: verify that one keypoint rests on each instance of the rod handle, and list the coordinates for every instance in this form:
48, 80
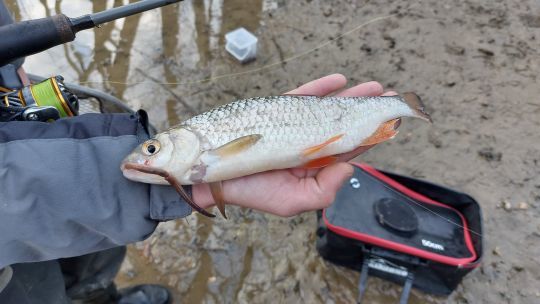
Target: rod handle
33, 36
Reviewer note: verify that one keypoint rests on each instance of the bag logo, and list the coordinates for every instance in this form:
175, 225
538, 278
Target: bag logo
432, 245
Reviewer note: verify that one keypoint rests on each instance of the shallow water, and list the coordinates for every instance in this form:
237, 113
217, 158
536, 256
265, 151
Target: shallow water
160, 61
130, 57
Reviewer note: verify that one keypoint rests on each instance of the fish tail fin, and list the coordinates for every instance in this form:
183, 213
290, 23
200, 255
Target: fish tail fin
415, 103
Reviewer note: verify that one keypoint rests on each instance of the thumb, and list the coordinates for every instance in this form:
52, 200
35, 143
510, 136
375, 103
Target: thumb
330, 180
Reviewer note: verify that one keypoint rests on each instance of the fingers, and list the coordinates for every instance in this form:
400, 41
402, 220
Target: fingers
303, 173
322, 86
328, 182
389, 93
372, 88
332, 83
202, 196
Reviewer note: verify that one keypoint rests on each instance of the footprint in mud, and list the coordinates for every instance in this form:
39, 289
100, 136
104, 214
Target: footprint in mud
490, 155
530, 20
454, 49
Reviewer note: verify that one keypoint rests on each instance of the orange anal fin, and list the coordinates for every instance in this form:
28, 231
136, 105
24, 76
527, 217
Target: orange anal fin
385, 131
318, 148
320, 162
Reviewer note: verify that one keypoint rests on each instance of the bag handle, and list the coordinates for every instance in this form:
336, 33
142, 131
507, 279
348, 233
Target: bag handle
370, 262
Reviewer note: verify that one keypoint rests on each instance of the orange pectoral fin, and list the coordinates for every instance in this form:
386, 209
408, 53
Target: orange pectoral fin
385, 131
320, 162
317, 148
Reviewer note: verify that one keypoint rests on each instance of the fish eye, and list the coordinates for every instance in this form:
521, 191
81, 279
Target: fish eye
151, 147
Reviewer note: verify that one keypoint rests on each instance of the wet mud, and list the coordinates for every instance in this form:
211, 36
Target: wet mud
475, 63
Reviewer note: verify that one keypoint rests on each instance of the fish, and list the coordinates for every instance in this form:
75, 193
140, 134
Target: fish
259, 134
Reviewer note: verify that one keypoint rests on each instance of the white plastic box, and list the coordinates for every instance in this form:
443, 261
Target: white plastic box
241, 44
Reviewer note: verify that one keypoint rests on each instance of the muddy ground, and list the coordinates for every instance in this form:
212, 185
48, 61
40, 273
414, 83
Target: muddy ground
475, 63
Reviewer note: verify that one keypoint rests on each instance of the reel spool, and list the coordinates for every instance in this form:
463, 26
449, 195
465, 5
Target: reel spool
47, 100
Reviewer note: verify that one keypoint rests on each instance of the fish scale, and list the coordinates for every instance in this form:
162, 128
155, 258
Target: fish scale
297, 115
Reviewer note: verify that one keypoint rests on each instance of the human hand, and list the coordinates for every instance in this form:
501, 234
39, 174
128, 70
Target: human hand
288, 192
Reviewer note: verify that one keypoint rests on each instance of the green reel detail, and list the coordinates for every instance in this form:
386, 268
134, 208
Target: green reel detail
47, 93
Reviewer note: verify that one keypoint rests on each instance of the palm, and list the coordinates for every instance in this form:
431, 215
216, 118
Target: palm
291, 191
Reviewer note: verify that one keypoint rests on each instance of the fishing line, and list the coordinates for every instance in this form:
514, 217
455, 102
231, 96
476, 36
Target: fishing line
265, 67
439, 215
446, 219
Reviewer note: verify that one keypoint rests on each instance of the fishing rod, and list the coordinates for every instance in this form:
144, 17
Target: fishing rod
50, 99
33, 36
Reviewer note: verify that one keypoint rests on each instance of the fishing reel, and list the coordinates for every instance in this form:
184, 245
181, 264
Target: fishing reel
47, 100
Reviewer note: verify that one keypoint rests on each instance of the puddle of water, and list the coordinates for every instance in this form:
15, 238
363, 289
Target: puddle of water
252, 258
141, 48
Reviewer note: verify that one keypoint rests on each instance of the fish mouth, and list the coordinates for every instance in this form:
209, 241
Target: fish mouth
143, 169
142, 173
166, 178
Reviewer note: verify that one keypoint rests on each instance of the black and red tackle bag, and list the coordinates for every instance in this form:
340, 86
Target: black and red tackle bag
402, 229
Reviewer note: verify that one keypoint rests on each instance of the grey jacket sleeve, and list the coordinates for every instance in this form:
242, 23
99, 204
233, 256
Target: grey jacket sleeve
62, 193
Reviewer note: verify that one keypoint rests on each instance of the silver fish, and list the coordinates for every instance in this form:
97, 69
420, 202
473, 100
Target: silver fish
266, 133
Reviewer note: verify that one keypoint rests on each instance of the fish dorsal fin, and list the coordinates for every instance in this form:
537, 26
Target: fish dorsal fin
319, 147
216, 188
237, 146
384, 132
